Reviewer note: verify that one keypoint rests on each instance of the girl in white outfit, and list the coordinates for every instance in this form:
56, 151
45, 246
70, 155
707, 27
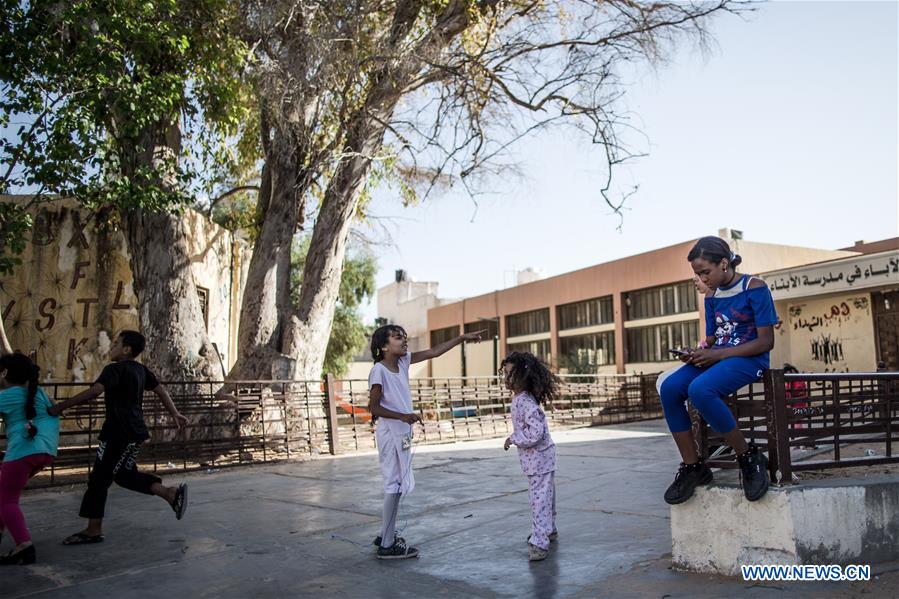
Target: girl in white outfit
390, 403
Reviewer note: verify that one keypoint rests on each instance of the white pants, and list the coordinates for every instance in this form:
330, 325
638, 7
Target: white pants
395, 462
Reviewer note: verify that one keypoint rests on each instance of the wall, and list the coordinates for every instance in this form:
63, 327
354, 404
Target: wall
826, 310
827, 334
449, 364
479, 358
73, 290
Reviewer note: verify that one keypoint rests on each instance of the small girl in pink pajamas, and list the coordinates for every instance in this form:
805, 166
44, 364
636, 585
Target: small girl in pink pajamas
532, 384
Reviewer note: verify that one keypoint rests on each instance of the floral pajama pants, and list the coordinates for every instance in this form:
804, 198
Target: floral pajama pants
542, 493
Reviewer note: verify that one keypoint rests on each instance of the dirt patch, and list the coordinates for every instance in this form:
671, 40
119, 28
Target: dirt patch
847, 452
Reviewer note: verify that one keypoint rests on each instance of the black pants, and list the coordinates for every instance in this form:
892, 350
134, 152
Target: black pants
115, 463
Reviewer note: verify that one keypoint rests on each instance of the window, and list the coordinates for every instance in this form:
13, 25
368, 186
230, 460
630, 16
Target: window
651, 344
527, 323
597, 349
661, 301
491, 326
586, 314
203, 293
538, 348
441, 335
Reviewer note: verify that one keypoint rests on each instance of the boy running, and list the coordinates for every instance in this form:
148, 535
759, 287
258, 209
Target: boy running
122, 384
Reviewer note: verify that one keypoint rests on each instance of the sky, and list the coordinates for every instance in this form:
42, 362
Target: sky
786, 130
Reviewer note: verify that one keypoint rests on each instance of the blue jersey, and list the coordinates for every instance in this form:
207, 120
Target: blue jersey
734, 314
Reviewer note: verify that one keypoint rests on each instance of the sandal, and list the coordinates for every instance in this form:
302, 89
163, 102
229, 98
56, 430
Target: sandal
179, 505
79, 538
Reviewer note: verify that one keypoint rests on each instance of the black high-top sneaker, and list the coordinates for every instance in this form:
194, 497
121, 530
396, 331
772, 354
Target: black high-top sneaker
377, 541
753, 473
688, 477
398, 550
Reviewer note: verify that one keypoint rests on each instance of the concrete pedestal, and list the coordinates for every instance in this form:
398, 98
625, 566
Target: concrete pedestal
845, 521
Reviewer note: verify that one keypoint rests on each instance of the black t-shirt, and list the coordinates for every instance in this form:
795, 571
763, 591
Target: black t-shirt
124, 384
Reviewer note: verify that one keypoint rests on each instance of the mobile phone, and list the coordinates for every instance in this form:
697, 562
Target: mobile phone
679, 352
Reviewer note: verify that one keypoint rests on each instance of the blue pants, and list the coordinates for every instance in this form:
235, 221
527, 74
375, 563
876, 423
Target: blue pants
705, 387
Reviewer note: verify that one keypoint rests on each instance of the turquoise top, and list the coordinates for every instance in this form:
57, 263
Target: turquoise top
18, 445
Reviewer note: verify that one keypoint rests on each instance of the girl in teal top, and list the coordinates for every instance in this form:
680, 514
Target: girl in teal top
32, 437
19, 439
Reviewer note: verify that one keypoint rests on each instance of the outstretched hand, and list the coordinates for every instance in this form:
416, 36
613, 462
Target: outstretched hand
475, 337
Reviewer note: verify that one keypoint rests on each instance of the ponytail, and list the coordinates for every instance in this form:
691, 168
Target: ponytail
20, 370
714, 249
30, 410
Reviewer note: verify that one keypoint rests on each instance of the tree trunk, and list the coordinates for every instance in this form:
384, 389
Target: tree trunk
309, 330
169, 311
168, 304
266, 298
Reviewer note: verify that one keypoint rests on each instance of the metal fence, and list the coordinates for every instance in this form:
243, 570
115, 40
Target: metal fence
457, 408
829, 416
245, 422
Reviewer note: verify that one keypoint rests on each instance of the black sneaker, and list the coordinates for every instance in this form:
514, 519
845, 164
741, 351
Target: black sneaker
753, 473
377, 541
688, 477
398, 550
22, 558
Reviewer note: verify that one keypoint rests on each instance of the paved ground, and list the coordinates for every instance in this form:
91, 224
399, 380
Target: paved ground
302, 529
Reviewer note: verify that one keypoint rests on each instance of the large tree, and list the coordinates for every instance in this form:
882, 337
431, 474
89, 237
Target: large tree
427, 92
109, 91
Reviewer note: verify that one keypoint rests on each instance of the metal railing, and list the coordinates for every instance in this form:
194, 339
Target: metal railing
266, 421
261, 421
457, 408
250, 422
828, 415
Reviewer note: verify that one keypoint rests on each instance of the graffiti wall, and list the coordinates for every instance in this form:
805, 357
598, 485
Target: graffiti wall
832, 334
73, 290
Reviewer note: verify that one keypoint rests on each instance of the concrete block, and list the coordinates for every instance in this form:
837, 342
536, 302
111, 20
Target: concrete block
845, 521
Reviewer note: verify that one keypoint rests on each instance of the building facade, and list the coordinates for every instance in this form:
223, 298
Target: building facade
617, 317
841, 315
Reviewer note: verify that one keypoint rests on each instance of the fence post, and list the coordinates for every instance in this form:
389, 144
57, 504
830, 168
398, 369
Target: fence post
887, 415
777, 427
333, 432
